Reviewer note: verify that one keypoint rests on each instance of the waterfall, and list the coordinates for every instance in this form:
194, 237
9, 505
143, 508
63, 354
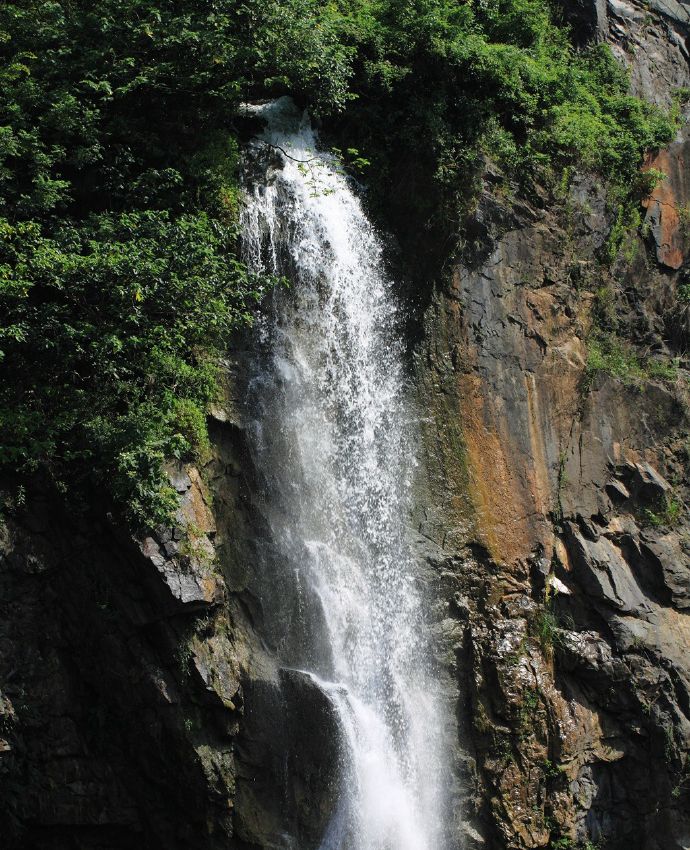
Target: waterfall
334, 438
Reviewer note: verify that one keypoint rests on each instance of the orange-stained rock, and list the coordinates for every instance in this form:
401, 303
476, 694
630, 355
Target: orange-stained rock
667, 207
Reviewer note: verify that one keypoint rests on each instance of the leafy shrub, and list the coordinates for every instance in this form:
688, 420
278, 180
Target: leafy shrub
458, 81
119, 277
105, 358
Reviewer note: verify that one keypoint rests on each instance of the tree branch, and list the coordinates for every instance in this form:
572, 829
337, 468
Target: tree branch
285, 153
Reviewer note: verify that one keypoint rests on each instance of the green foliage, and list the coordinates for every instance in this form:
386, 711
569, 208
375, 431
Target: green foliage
648, 180
625, 202
501, 746
129, 103
457, 81
669, 742
527, 715
552, 771
684, 218
605, 308
682, 779
683, 292
105, 353
545, 626
565, 843
609, 354
119, 278
666, 514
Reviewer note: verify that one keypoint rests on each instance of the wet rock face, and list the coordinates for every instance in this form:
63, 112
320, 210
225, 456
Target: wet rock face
555, 500
290, 751
120, 690
141, 702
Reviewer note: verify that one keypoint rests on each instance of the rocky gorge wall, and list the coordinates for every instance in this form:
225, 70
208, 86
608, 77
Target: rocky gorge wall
555, 505
127, 665
141, 703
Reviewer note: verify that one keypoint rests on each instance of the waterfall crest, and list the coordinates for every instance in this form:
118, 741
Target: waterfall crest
333, 436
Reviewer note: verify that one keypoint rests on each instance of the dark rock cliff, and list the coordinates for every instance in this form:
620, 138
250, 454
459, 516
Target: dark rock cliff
555, 506
141, 703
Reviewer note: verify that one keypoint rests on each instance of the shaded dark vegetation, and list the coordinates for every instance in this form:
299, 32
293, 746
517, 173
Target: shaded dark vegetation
120, 279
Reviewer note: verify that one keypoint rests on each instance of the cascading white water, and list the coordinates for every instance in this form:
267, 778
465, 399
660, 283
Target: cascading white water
333, 438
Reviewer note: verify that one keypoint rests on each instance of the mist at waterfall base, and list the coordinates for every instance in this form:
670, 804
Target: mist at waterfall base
333, 439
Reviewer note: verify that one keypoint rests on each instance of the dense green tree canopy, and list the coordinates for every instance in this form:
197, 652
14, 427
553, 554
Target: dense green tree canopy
119, 277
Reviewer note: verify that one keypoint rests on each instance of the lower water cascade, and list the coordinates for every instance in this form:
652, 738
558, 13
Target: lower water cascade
333, 437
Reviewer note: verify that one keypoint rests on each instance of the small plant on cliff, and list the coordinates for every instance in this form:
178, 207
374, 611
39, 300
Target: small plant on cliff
667, 512
606, 353
683, 212
610, 355
669, 741
501, 746
683, 292
625, 201
605, 308
552, 772
546, 627
527, 712
683, 779
481, 719
196, 547
184, 655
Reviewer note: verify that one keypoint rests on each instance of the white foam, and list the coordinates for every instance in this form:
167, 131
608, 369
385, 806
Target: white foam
338, 453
